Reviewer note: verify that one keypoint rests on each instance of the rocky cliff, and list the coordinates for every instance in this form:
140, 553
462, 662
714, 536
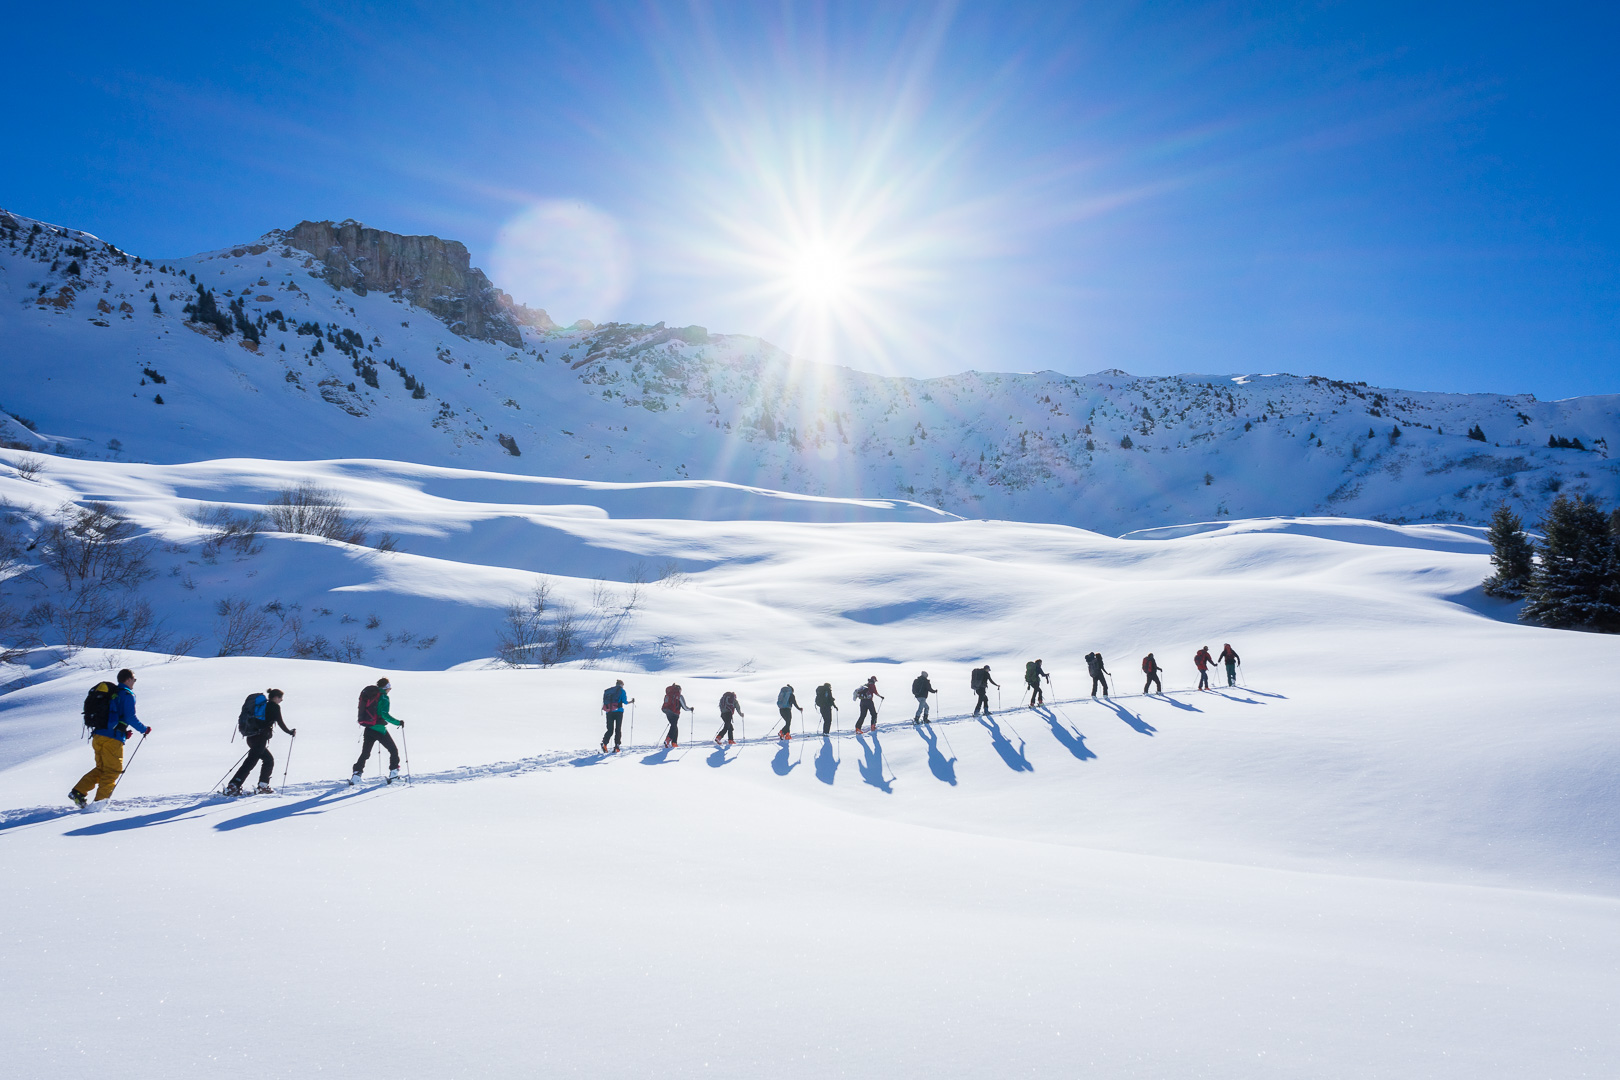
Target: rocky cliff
432, 273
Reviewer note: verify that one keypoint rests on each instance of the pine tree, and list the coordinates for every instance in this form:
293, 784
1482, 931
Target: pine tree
1511, 554
1576, 584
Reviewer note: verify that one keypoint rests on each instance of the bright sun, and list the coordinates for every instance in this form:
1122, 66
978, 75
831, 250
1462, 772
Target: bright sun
820, 275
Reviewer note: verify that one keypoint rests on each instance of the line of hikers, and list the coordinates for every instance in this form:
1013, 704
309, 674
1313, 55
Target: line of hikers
614, 698
109, 716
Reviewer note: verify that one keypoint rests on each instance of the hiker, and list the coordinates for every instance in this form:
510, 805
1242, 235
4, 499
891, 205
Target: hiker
1203, 660
824, 702
864, 694
981, 681
1229, 657
1033, 674
1099, 674
786, 702
728, 706
614, 700
375, 718
1151, 668
109, 713
674, 702
261, 715
920, 689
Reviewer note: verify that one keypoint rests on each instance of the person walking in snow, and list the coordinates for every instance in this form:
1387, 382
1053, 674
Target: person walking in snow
920, 689
1229, 657
614, 699
864, 695
375, 718
674, 702
981, 681
1099, 674
1033, 674
825, 702
728, 707
261, 715
107, 737
1203, 660
786, 702
1151, 668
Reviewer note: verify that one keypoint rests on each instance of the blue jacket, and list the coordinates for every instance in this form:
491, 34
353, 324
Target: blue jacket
121, 711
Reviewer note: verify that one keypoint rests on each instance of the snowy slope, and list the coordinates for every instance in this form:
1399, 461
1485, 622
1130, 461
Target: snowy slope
638, 402
1389, 852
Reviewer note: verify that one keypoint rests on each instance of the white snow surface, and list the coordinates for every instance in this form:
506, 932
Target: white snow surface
633, 402
1388, 852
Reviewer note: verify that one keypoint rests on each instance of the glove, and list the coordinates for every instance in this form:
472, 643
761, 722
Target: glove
148, 731
402, 723
295, 733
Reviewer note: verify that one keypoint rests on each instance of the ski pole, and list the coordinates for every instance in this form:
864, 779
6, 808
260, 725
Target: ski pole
632, 723
228, 771
285, 765
120, 777
405, 746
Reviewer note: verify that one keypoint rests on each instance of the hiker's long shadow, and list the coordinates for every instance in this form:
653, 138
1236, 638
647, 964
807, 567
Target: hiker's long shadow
871, 764
943, 768
1073, 741
719, 757
780, 763
319, 804
1168, 700
826, 762
1230, 694
1015, 759
138, 821
585, 761
657, 757
38, 817
1136, 722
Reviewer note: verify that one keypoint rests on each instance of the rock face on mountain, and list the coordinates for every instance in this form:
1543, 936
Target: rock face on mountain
432, 273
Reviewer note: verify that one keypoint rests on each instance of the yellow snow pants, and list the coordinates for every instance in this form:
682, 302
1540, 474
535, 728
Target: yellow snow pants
109, 766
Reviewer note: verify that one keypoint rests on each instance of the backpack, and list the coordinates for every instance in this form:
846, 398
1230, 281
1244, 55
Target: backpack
860, 693
368, 705
1030, 672
784, 698
98, 705
980, 678
250, 721
1148, 664
610, 700
728, 702
824, 696
919, 686
672, 698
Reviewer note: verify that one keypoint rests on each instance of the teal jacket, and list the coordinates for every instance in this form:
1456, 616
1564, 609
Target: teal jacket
383, 717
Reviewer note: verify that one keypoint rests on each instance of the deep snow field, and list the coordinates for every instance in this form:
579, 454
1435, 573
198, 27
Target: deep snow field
1389, 852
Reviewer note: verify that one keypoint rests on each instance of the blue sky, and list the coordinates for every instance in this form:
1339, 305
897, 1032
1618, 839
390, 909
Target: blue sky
1413, 195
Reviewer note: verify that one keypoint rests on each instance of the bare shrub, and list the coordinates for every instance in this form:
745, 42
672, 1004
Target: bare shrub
387, 542
94, 544
224, 527
29, 466
670, 574
542, 631
79, 593
316, 511
243, 629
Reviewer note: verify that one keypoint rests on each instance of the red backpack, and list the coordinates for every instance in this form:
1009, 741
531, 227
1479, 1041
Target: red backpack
672, 697
368, 705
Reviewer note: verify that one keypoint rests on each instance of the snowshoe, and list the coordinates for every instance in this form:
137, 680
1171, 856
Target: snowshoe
78, 800
232, 790
263, 789
731, 742
354, 781
393, 774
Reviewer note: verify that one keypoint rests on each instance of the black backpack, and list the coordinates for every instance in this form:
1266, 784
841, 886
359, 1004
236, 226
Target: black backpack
250, 721
98, 705
919, 686
824, 696
980, 679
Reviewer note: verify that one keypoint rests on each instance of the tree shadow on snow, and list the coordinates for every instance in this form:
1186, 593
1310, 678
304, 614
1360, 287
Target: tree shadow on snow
826, 762
871, 764
1073, 741
319, 804
1136, 722
1015, 759
943, 768
780, 764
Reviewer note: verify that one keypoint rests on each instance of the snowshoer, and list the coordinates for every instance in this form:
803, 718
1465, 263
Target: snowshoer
786, 702
1033, 674
1203, 660
374, 717
1099, 674
260, 716
864, 694
728, 706
109, 713
614, 700
981, 681
674, 702
1151, 668
825, 703
920, 689
1229, 657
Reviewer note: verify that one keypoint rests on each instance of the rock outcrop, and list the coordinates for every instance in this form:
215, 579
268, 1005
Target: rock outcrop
434, 274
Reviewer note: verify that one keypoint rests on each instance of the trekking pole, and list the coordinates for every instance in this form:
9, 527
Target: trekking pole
632, 723
285, 765
221, 780
405, 747
120, 777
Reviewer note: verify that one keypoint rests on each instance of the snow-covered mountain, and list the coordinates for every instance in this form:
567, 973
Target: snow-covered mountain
371, 344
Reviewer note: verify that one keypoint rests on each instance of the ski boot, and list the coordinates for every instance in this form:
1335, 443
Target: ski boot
354, 781
393, 774
78, 800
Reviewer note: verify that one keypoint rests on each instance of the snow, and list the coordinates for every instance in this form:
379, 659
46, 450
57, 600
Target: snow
1389, 852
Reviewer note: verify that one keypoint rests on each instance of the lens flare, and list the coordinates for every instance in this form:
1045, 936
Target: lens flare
567, 257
